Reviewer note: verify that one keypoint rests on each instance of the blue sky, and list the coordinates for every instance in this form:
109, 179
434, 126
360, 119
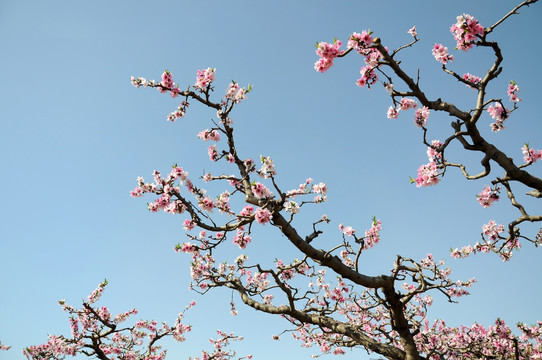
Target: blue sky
75, 135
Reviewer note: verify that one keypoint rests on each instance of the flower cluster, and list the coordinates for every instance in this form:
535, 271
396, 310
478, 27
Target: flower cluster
137, 82
212, 151
347, 230
263, 216
440, 52
406, 104
209, 135
327, 52
291, 207
179, 113
165, 187
473, 79
368, 76
268, 168
372, 236
427, 175
236, 93
420, 116
361, 42
492, 230
530, 155
513, 90
432, 151
260, 191
97, 293
241, 238
204, 78
499, 113
466, 30
167, 84
488, 196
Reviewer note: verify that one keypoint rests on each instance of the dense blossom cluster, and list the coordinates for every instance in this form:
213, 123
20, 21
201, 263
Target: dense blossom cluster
428, 174
488, 196
204, 78
466, 31
440, 52
236, 93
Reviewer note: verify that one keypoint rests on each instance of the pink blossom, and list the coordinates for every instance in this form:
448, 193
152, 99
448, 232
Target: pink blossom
247, 211
268, 168
241, 239
262, 216
360, 42
320, 188
488, 196
530, 155
291, 206
323, 64
213, 152
260, 191
209, 135
188, 225
420, 116
167, 80
204, 78
412, 31
372, 236
473, 79
368, 76
407, 103
329, 51
179, 113
500, 114
97, 293
513, 90
440, 53
137, 192
137, 82
392, 113
207, 177
433, 154
492, 230
236, 93
347, 230
206, 204
427, 175
465, 31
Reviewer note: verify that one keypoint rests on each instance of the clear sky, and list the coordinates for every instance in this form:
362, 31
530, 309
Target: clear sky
75, 134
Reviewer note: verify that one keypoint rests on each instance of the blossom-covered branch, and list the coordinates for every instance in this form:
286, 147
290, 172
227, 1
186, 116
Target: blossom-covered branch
96, 333
468, 34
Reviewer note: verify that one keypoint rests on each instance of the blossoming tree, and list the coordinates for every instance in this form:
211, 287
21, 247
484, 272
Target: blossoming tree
324, 293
